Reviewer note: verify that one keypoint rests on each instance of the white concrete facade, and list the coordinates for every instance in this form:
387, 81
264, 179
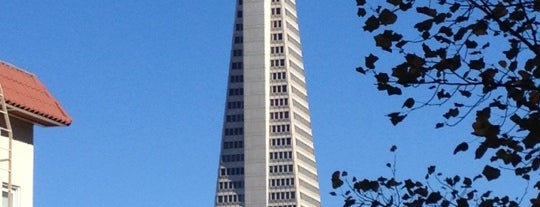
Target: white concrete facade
22, 163
267, 153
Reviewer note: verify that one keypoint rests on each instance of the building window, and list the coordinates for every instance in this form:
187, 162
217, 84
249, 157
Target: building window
237, 65
279, 76
234, 131
232, 158
280, 128
237, 52
281, 142
276, 24
235, 105
236, 92
235, 118
279, 102
238, 40
233, 144
277, 36
282, 195
14, 191
239, 27
277, 50
279, 89
279, 115
276, 11
277, 63
237, 79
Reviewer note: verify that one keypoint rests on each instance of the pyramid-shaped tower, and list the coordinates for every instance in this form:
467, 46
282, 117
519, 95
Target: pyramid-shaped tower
267, 156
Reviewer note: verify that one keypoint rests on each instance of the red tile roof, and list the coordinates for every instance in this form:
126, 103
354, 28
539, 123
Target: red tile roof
28, 98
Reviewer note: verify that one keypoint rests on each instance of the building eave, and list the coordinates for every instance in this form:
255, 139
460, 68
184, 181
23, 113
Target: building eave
34, 118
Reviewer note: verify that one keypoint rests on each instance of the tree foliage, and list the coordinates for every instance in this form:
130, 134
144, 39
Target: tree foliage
475, 58
435, 190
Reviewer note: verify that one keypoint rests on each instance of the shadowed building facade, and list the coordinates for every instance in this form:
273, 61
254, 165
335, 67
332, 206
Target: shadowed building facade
267, 156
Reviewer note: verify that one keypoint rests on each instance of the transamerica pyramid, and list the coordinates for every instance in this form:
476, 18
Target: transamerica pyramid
267, 156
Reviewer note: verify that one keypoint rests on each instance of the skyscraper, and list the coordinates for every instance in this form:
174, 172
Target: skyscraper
267, 155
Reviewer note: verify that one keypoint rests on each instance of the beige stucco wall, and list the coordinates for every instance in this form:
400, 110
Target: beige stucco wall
23, 162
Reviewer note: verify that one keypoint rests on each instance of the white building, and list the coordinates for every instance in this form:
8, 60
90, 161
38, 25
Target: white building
28, 103
267, 154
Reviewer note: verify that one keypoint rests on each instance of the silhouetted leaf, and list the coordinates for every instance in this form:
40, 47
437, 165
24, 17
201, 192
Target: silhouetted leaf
405, 6
462, 202
485, 45
480, 28
427, 11
365, 185
361, 12
421, 191
513, 51
360, 2
442, 39
382, 78
461, 147
433, 198
465, 93
394, 2
517, 15
360, 70
498, 104
535, 165
477, 64
491, 173
409, 103
461, 32
400, 44
336, 180
387, 17
480, 151
443, 94
371, 24
531, 140
439, 125
424, 26
395, 118
385, 39
431, 169
447, 31
393, 91
499, 11
349, 202
471, 44
428, 52
451, 113
467, 182
370, 61
454, 7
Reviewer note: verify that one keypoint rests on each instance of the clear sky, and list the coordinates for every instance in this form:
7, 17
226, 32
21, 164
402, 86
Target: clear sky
144, 81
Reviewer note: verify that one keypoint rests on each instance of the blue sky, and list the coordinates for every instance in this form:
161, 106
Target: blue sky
145, 83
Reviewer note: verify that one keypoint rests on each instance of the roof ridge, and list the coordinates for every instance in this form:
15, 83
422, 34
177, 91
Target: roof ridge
16, 67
